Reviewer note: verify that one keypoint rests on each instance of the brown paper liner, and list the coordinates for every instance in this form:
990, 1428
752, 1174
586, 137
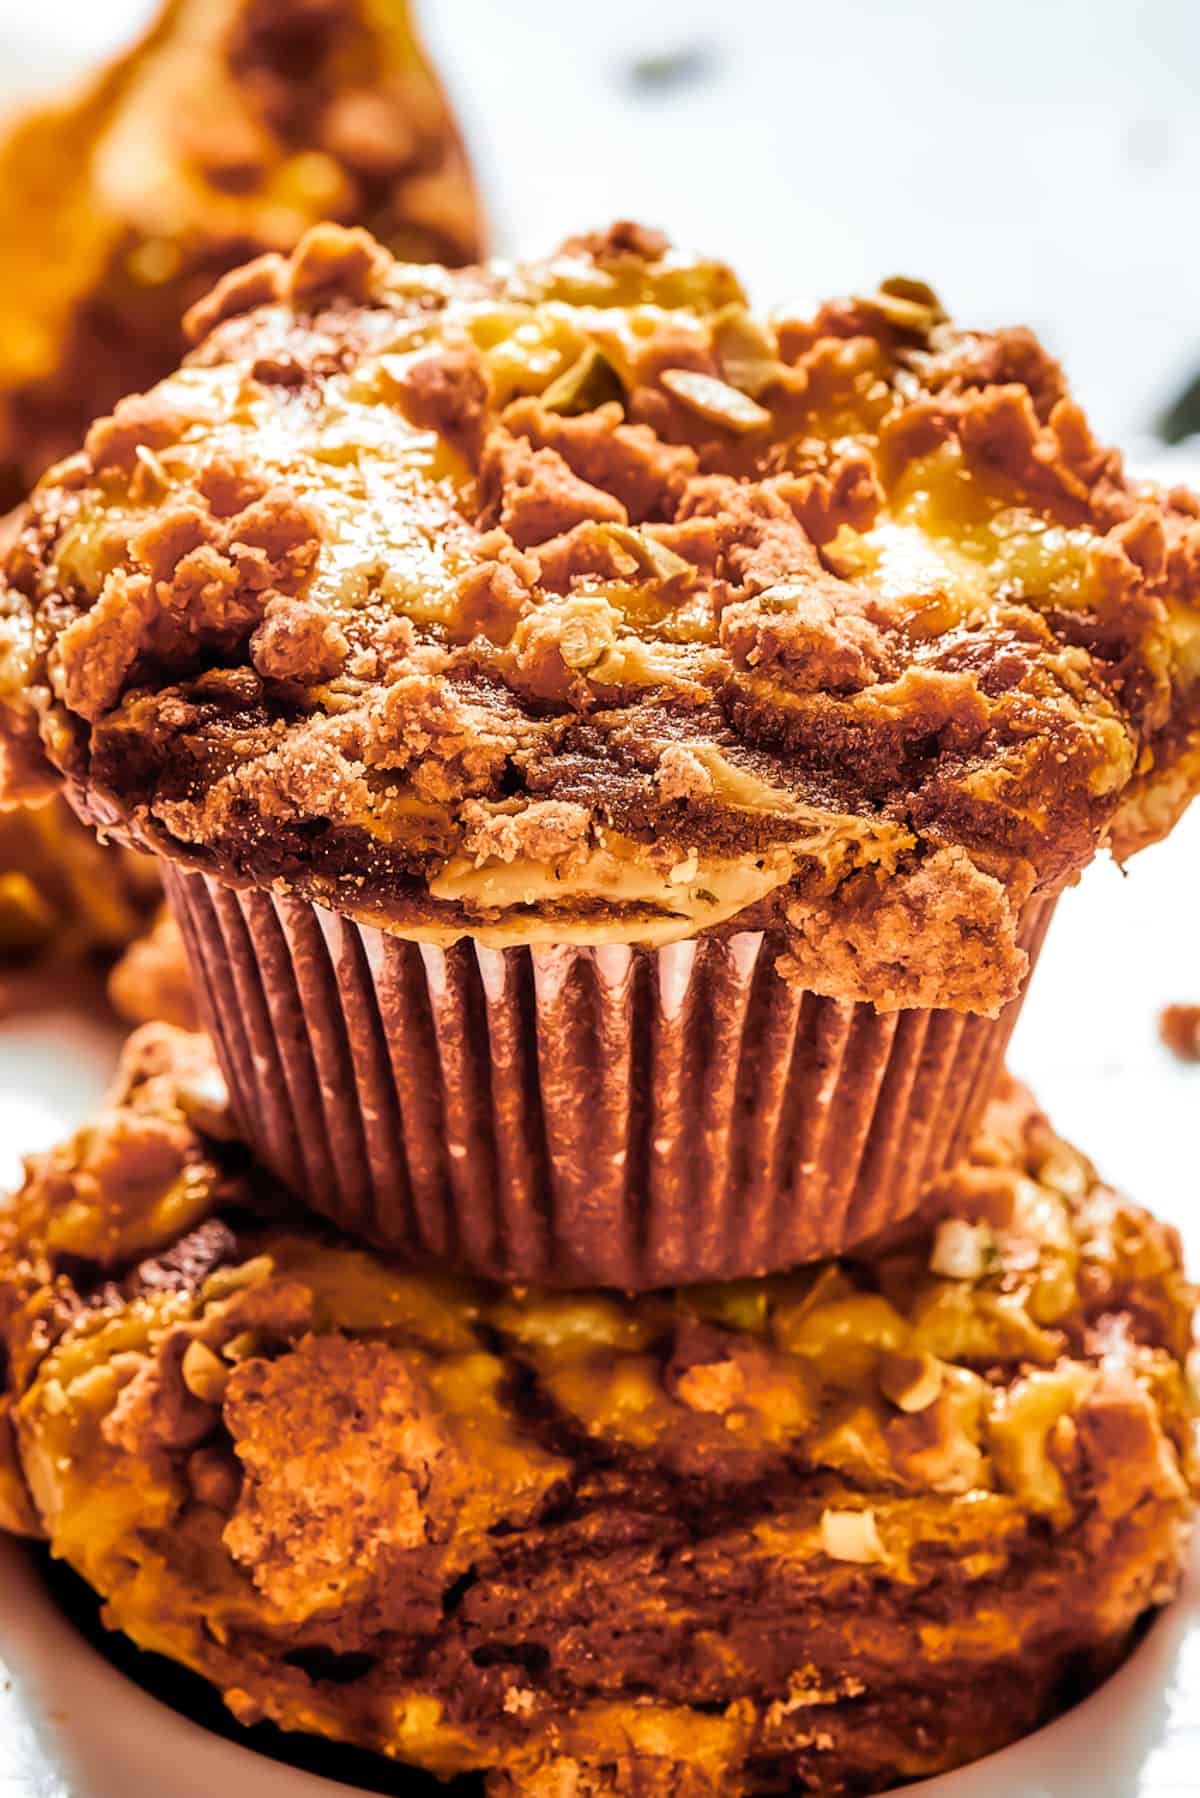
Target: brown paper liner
578, 1116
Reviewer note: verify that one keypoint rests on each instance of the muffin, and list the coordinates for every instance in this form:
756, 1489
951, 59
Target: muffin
227, 130
824, 1532
613, 757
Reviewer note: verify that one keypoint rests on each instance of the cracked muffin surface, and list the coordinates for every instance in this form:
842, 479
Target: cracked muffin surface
578, 602
767, 1536
228, 129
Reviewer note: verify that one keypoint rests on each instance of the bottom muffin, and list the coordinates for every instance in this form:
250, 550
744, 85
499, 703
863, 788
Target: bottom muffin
826, 1532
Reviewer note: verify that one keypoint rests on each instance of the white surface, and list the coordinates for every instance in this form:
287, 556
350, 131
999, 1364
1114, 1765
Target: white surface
1037, 162
73, 1727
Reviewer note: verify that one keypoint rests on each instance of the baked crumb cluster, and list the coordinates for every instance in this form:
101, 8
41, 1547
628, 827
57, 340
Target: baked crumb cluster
696, 1541
576, 601
230, 128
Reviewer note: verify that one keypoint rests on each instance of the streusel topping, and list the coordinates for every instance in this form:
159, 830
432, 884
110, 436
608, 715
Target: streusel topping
576, 601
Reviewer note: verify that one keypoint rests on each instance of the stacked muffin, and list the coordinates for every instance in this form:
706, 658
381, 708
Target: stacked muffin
613, 759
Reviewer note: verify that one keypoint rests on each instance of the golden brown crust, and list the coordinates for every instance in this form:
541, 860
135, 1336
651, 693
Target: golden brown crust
849, 619
228, 129
828, 1531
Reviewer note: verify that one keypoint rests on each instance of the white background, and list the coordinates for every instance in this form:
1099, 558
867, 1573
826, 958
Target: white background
1039, 162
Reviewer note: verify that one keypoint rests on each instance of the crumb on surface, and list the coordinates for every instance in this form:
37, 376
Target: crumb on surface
1179, 1027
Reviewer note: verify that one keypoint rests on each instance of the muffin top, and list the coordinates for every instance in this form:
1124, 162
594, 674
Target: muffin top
576, 602
481, 1528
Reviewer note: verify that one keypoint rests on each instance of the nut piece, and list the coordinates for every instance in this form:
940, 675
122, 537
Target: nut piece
911, 1382
204, 1102
652, 559
961, 1251
852, 1536
714, 1386
909, 305
204, 1374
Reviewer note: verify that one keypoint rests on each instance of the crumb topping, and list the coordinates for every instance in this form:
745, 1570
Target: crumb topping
578, 598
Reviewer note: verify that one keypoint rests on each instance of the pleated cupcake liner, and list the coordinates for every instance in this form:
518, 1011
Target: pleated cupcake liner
572, 1116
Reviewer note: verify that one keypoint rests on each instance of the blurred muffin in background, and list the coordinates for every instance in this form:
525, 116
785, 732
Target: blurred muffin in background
226, 131
66, 898
63, 895
152, 982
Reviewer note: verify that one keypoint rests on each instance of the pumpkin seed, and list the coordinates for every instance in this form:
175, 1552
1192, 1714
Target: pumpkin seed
748, 351
586, 384
714, 400
204, 1374
653, 559
907, 304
